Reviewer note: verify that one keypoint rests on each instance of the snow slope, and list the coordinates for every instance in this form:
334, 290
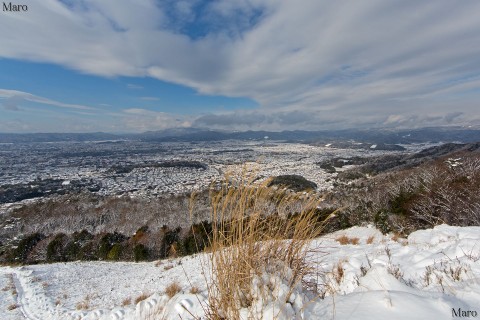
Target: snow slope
425, 276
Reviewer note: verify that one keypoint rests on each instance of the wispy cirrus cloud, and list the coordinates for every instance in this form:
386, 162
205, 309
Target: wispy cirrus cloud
13, 98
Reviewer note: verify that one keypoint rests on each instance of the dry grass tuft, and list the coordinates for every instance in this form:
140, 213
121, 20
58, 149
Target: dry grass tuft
194, 290
344, 240
338, 272
249, 235
172, 289
13, 306
370, 239
126, 302
141, 297
396, 237
354, 241
83, 305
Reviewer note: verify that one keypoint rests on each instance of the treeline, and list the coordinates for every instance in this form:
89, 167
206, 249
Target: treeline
74, 212
144, 245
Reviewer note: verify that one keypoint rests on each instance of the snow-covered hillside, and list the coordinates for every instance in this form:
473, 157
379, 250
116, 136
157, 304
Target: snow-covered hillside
361, 274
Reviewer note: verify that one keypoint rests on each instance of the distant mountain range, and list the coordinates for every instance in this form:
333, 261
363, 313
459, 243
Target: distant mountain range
373, 136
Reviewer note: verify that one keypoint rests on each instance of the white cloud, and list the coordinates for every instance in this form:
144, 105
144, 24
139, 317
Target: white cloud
139, 120
355, 60
18, 96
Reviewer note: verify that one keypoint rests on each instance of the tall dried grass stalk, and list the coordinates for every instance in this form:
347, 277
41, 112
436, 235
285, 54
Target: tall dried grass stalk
255, 227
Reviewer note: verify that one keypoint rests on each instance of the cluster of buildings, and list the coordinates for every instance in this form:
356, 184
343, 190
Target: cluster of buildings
136, 168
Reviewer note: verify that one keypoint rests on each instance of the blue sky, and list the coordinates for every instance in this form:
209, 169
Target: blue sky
59, 83
133, 66
102, 97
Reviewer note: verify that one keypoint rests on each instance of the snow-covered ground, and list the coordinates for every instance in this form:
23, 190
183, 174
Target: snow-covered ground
434, 274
